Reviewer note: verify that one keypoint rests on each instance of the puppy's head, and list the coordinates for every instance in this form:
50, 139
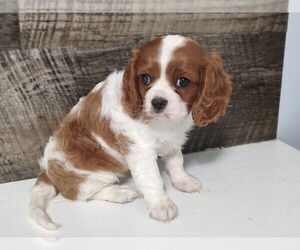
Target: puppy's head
170, 77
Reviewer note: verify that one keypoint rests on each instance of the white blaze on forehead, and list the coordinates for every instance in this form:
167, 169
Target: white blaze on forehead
176, 109
169, 44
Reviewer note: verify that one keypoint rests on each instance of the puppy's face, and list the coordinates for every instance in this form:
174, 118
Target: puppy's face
172, 76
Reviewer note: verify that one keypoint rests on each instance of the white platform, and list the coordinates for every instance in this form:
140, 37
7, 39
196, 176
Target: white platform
249, 190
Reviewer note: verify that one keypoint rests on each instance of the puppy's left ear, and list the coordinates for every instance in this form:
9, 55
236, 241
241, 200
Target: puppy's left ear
214, 92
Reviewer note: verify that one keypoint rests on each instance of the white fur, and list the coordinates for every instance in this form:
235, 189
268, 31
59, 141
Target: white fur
156, 138
169, 44
179, 178
93, 189
77, 107
41, 195
162, 136
98, 87
176, 109
52, 152
116, 193
112, 152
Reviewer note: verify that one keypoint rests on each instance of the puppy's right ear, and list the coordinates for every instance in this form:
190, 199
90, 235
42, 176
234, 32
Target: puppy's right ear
131, 98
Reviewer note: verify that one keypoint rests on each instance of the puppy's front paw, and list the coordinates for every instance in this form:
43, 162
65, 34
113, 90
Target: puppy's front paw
163, 211
187, 184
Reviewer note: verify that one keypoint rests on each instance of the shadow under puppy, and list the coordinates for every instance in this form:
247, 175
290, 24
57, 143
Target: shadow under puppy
126, 122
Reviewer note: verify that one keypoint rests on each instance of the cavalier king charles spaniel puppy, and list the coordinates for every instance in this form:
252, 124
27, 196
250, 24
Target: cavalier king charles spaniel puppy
129, 120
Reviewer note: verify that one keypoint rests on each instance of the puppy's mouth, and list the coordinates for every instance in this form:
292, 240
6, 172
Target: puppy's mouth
154, 114
166, 116
163, 115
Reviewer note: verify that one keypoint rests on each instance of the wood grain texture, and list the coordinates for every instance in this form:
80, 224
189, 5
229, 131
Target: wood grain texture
38, 86
9, 31
40, 30
9, 6
154, 6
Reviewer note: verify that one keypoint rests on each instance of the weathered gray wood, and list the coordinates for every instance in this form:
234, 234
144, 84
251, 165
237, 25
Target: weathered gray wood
9, 31
9, 6
154, 6
30, 86
39, 86
40, 30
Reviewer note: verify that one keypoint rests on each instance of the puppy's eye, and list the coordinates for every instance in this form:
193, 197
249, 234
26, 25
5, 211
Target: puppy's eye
182, 82
145, 79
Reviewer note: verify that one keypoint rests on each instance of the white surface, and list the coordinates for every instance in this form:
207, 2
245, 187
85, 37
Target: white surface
250, 190
294, 6
191, 243
289, 111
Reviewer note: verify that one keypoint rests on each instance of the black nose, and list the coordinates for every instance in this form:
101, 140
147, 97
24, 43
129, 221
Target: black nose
159, 104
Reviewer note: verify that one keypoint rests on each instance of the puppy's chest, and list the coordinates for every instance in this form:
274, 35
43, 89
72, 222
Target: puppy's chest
162, 148
166, 141
165, 138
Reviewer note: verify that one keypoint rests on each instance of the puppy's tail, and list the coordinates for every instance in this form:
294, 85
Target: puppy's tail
41, 194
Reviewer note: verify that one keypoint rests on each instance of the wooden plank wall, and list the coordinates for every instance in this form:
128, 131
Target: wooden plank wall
49, 60
153, 6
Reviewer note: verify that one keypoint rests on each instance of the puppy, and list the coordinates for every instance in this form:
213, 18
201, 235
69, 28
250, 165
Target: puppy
126, 122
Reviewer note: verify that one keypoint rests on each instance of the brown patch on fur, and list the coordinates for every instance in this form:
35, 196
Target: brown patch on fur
144, 60
43, 177
66, 182
75, 139
123, 143
206, 96
89, 117
209, 90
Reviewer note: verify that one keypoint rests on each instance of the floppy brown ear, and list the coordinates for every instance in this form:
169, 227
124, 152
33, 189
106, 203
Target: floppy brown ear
131, 98
214, 92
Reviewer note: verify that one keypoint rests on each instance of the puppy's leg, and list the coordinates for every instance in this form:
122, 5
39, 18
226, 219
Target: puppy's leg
97, 190
180, 179
116, 193
144, 170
